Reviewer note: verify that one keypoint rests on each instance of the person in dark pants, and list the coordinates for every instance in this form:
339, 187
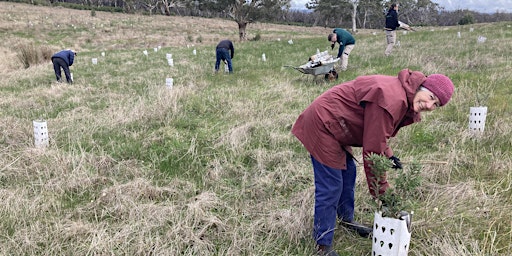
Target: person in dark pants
63, 59
364, 112
391, 25
225, 51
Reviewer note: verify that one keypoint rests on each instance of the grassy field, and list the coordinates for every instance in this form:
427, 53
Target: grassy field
210, 167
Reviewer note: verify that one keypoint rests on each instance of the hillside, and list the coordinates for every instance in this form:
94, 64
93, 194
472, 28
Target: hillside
209, 167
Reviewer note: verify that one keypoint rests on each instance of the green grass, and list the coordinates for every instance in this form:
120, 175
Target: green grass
210, 167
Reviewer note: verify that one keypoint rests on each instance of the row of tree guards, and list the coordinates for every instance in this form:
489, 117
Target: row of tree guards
477, 117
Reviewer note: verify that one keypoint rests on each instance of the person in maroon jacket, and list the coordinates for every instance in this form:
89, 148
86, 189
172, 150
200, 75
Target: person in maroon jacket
364, 112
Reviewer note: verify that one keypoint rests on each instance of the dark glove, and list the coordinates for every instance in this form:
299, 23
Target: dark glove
396, 162
332, 46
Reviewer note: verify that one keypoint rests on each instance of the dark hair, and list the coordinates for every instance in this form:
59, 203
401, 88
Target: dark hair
329, 37
392, 6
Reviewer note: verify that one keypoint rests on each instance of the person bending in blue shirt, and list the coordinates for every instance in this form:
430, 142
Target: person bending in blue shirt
63, 59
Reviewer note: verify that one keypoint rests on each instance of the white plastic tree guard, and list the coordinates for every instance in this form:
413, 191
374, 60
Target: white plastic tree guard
40, 133
169, 82
390, 236
477, 116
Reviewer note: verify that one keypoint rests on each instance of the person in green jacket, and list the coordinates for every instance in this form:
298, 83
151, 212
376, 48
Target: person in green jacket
347, 43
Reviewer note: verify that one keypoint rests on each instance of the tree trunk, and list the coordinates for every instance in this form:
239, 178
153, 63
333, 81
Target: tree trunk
354, 15
241, 30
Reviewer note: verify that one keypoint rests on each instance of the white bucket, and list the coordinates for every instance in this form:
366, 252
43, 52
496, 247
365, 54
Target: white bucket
477, 116
94, 61
170, 62
169, 82
390, 236
40, 133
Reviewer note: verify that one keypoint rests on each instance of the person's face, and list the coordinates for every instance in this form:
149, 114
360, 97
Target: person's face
396, 7
334, 38
425, 101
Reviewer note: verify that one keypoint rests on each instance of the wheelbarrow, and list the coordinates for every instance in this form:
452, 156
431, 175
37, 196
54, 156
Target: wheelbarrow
320, 64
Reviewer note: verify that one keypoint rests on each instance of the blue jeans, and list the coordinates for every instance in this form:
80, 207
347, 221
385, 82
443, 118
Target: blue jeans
59, 63
334, 196
223, 54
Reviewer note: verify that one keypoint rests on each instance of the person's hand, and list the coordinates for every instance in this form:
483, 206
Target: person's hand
396, 162
332, 46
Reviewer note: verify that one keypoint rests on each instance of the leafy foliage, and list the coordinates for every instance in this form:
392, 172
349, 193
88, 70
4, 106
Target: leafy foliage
398, 197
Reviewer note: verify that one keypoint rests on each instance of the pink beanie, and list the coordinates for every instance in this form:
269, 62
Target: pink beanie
441, 86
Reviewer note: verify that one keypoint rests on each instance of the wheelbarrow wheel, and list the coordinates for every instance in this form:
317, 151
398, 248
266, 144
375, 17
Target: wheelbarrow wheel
332, 75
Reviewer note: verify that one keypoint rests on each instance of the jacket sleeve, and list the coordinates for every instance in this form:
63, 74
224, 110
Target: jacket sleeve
378, 127
232, 48
340, 51
71, 57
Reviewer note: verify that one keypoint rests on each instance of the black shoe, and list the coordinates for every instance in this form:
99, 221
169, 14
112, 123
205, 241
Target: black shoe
361, 229
324, 250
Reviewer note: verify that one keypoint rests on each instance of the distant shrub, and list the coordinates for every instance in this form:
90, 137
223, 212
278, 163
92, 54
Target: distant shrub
257, 37
199, 39
93, 13
29, 54
467, 19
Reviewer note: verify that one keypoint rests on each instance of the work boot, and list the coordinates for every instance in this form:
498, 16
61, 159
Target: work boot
325, 250
361, 229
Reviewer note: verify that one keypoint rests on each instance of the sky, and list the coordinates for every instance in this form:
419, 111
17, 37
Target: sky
484, 6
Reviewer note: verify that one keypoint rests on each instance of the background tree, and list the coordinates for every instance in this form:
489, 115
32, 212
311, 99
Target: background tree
332, 12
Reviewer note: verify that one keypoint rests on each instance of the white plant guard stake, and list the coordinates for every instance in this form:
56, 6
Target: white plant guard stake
263, 57
40, 133
226, 67
391, 237
477, 116
169, 82
170, 62
94, 61
168, 56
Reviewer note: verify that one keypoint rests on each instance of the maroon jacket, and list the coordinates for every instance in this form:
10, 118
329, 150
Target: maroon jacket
364, 112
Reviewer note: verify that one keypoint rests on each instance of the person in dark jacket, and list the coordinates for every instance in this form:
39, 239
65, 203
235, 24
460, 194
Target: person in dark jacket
63, 59
225, 51
347, 43
364, 112
391, 25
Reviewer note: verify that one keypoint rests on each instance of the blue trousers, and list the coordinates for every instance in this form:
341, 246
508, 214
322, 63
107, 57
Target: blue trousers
223, 54
59, 63
334, 197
